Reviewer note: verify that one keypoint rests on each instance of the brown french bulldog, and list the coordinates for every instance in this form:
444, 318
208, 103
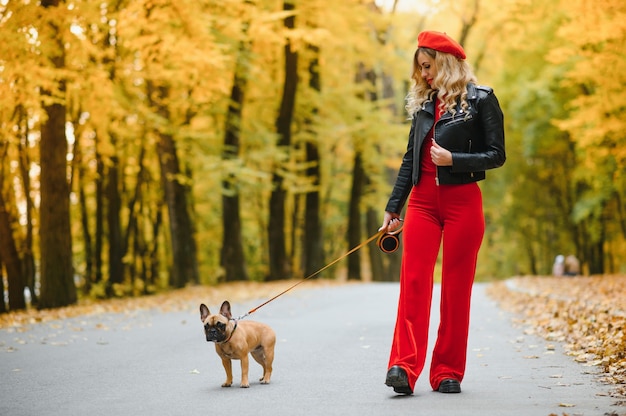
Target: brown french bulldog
235, 339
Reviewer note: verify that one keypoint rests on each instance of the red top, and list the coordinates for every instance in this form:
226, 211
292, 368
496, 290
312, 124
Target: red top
427, 165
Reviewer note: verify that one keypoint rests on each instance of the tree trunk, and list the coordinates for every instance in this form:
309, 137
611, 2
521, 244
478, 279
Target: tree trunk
9, 254
313, 250
84, 215
28, 258
154, 252
117, 248
232, 258
530, 253
313, 229
133, 231
375, 255
99, 233
280, 267
114, 206
57, 280
621, 215
378, 259
139, 248
3, 306
596, 250
360, 179
87, 240
354, 216
185, 263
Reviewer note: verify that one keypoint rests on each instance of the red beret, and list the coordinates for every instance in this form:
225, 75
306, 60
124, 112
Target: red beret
440, 42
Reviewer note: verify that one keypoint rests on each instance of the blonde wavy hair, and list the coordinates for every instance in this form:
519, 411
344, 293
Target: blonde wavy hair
453, 75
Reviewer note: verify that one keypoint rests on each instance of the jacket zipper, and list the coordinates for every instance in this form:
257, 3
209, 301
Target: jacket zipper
470, 151
436, 167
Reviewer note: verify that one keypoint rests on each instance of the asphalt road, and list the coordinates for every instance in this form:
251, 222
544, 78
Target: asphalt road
331, 359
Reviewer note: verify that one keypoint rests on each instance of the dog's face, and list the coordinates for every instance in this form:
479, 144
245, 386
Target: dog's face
217, 328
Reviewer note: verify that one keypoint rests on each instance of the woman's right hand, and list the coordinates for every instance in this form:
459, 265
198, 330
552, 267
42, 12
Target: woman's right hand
391, 222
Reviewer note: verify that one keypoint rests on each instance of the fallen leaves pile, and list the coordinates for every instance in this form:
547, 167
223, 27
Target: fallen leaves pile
175, 300
587, 314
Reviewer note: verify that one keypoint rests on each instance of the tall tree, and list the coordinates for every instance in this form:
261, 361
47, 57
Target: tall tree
113, 182
99, 236
384, 267
596, 122
161, 58
313, 247
232, 259
280, 267
8, 248
113, 208
184, 266
55, 236
360, 177
541, 179
355, 227
3, 306
81, 183
27, 249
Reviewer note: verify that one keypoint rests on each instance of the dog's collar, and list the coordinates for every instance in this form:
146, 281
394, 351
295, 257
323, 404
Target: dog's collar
231, 334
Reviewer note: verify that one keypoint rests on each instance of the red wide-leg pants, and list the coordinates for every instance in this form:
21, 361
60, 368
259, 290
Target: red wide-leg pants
454, 214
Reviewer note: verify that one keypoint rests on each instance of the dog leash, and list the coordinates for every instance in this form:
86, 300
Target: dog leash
378, 235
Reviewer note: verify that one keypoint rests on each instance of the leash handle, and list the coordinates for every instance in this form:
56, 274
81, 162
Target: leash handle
364, 243
390, 241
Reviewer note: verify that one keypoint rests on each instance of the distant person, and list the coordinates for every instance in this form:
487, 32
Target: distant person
457, 133
572, 266
558, 268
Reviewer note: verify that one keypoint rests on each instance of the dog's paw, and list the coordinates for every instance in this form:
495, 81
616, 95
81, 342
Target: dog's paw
245, 386
227, 384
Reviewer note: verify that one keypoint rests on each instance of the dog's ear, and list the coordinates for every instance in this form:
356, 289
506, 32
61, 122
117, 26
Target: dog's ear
225, 310
204, 312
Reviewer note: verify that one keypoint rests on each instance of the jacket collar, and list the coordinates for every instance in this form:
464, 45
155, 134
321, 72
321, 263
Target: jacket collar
472, 94
429, 106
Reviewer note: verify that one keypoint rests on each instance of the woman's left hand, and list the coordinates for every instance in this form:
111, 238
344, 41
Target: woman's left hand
440, 156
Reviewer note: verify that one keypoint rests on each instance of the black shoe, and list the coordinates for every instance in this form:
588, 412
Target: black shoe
397, 378
449, 385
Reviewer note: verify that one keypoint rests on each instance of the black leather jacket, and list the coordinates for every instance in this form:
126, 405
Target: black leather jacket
476, 141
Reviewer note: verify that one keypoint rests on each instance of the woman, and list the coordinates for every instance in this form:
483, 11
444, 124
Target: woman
456, 134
